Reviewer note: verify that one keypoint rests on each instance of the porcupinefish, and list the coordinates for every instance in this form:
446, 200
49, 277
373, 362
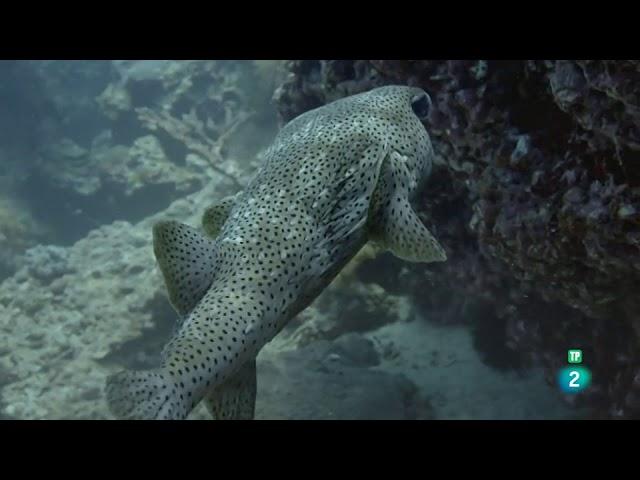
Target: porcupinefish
334, 178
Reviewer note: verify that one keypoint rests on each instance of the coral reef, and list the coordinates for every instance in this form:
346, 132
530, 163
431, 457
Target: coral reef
78, 312
121, 140
122, 170
75, 314
213, 94
535, 195
170, 125
191, 132
68, 308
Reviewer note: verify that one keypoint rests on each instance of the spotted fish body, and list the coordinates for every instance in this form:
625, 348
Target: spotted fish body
334, 178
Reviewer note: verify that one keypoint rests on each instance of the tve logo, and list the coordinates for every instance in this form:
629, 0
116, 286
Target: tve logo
574, 378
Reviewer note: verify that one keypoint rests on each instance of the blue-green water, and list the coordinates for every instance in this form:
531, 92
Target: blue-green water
93, 153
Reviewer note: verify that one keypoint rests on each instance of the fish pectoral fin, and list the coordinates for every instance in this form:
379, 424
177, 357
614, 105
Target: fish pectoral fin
348, 212
186, 258
403, 233
214, 217
235, 399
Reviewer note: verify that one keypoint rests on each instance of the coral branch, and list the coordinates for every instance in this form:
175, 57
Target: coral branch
190, 132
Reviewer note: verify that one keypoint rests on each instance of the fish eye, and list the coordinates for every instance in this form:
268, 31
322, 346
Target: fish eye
421, 105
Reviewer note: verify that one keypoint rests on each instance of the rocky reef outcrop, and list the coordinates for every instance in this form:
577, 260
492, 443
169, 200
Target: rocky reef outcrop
72, 315
536, 197
86, 143
170, 125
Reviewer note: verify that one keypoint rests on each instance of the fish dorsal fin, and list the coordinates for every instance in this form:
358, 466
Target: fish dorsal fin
235, 399
215, 216
187, 259
396, 226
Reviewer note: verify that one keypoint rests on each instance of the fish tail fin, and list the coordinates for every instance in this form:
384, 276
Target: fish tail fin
144, 395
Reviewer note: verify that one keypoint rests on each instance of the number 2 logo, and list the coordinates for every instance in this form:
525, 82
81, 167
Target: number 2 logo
575, 376
574, 379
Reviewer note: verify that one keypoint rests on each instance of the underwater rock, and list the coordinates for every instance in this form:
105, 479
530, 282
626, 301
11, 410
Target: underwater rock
147, 166
93, 153
46, 263
108, 291
313, 83
360, 307
114, 100
355, 349
602, 96
72, 315
331, 380
534, 195
317, 382
67, 166
121, 170
107, 182
347, 307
